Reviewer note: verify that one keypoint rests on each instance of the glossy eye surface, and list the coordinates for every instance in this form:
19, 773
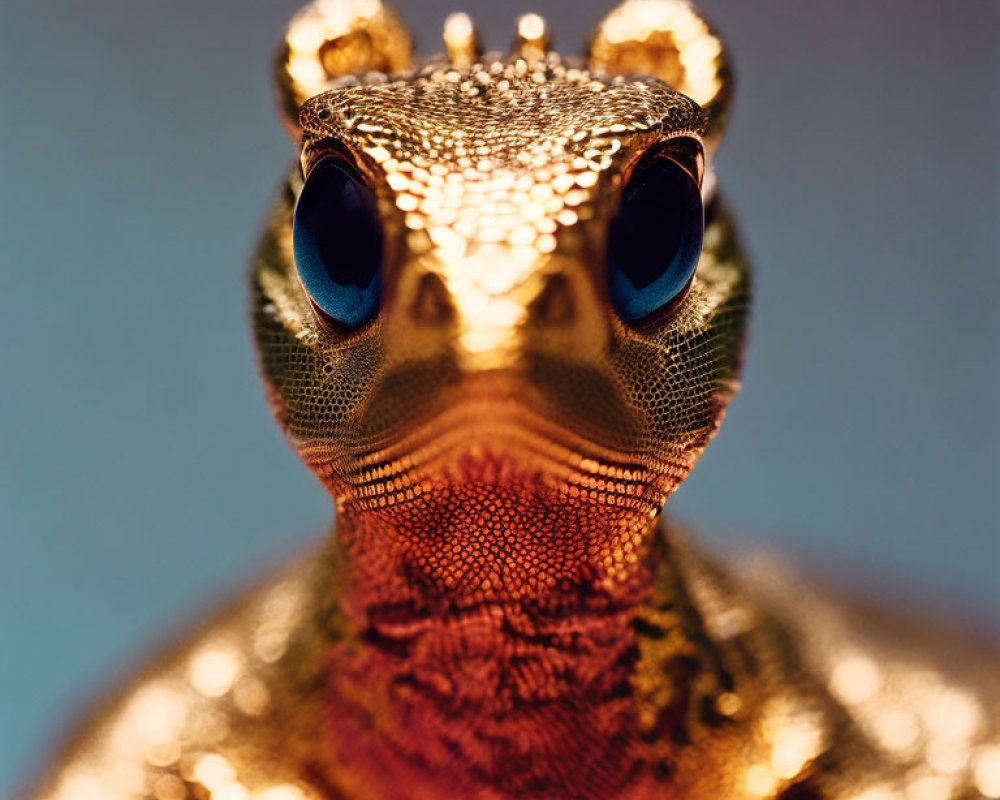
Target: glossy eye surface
654, 241
337, 239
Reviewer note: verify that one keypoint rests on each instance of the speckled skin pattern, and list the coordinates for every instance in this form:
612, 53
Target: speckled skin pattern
500, 611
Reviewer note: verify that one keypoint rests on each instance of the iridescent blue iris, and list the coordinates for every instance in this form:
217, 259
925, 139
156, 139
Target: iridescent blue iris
337, 238
654, 241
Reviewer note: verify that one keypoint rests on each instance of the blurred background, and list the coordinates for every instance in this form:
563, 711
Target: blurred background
142, 477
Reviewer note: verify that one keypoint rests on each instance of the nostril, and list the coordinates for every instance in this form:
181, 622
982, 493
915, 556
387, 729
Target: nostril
431, 304
554, 305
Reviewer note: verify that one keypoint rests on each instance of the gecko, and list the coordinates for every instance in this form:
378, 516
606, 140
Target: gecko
500, 310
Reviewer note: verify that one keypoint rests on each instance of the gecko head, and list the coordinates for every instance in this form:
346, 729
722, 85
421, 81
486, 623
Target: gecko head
484, 295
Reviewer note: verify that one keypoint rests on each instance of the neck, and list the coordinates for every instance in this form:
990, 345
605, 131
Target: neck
445, 670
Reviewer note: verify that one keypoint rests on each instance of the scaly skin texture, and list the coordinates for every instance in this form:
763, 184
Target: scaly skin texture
500, 611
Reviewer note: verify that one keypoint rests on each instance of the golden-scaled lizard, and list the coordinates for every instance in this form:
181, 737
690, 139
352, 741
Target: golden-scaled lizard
500, 309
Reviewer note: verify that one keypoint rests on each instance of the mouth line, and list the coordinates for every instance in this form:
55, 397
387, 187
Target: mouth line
495, 436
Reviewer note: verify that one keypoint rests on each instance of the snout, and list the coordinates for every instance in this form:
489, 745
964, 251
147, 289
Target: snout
495, 308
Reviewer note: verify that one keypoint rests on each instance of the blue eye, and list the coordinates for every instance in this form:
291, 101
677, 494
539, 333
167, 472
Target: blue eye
338, 244
654, 241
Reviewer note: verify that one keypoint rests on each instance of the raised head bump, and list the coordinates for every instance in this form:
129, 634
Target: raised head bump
533, 38
461, 39
670, 40
328, 39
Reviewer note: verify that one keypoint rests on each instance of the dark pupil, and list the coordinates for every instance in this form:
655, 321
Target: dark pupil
654, 241
350, 244
649, 229
338, 243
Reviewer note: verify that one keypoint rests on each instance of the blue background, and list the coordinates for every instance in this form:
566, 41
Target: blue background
142, 477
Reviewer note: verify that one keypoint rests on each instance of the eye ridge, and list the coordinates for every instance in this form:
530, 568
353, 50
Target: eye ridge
338, 244
654, 240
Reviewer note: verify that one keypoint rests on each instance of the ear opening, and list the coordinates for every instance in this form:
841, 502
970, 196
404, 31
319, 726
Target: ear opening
328, 39
670, 40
